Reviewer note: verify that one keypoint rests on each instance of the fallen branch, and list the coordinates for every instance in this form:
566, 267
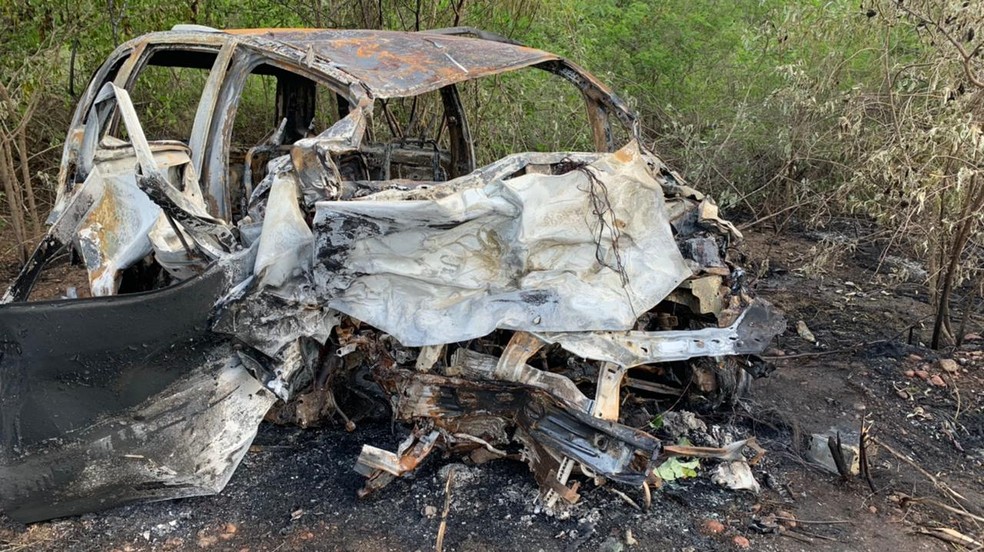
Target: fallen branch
794, 536
799, 205
814, 535
954, 495
946, 534
950, 509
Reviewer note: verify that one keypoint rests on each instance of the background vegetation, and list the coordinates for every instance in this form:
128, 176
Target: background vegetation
789, 112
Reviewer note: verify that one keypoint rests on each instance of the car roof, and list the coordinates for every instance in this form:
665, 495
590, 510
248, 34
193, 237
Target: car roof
388, 63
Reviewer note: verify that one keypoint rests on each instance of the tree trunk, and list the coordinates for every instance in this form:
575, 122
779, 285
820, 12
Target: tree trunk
32, 207
972, 203
12, 191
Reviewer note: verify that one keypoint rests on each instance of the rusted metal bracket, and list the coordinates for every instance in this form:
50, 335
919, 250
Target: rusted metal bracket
730, 453
381, 467
472, 364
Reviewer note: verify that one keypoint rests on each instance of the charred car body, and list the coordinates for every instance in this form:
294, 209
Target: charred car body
502, 310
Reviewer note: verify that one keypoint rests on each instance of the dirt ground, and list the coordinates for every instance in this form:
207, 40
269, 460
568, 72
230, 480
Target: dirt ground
296, 488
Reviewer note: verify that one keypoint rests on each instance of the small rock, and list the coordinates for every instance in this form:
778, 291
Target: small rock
804, 331
712, 527
430, 511
910, 373
937, 381
629, 539
873, 509
922, 374
973, 337
914, 358
948, 365
611, 544
205, 540
229, 531
145, 535
766, 524
786, 519
741, 542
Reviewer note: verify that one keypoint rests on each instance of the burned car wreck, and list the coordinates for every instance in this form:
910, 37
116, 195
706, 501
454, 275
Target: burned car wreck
338, 269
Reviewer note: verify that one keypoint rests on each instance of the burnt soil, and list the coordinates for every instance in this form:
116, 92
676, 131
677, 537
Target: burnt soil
296, 488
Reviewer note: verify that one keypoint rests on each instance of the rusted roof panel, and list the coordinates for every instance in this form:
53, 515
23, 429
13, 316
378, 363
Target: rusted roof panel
393, 64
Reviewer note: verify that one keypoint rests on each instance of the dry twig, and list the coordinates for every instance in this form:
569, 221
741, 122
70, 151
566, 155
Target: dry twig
444, 514
817, 522
625, 497
863, 453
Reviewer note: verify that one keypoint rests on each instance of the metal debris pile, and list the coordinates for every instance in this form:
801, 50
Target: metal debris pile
499, 315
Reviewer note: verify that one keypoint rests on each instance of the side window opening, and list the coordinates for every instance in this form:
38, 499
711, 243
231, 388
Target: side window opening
550, 109
270, 95
276, 108
166, 92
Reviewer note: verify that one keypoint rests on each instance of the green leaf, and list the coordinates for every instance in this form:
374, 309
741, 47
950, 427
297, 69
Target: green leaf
673, 469
657, 422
